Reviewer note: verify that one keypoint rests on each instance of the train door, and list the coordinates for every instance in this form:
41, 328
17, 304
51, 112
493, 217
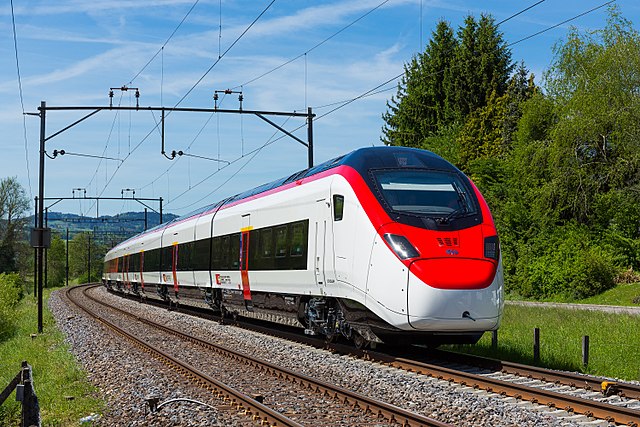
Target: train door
142, 270
244, 261
174, 267
127, 283
323, 252
344, 232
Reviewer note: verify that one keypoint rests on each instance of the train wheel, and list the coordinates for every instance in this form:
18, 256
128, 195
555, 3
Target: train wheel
359, 341
331, 338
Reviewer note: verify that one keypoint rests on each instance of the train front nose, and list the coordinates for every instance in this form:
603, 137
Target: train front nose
454, 294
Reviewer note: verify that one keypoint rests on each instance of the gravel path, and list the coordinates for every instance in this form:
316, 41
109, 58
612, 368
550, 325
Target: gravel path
616, 309
109, 362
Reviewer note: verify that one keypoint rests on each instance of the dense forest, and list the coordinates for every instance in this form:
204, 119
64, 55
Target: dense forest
559, 162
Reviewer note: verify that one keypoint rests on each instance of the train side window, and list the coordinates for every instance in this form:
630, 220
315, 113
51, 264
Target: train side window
234, 254
266, 242
298, 239
338, 207
254, 252
146, 260
201, 254
225, 259
185, 253
152, 260
134, 263
281, 241
216, 254
167, 258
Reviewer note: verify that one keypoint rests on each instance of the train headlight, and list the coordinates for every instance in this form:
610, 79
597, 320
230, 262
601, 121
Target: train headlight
492, 247
401, 246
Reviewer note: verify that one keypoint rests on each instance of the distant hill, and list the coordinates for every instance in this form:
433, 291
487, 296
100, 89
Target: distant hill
106, 228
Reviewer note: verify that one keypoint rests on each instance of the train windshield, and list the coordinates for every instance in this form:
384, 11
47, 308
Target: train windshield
439, 194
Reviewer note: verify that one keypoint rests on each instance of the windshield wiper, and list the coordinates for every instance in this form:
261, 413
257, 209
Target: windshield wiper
456, 213
462, 200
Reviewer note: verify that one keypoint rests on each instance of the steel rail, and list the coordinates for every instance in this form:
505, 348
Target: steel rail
380, 409
571, 404
588, 382
552, 399
252, 408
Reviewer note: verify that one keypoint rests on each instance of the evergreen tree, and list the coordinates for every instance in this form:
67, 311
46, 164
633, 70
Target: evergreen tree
489, 130
482, 65
452, 78
422, 102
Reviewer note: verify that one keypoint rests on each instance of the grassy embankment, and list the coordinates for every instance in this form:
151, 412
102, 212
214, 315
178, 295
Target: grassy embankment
614, 338
64, 394
622, 294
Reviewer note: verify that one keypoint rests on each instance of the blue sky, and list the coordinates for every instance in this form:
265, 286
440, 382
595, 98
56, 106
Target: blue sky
71, 52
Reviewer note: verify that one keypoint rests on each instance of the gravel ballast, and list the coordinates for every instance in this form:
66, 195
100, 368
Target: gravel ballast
126, 376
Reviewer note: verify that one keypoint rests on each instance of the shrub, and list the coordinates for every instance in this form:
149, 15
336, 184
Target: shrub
10, 296
563, 262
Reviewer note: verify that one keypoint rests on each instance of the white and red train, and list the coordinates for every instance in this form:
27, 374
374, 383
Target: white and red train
382, 244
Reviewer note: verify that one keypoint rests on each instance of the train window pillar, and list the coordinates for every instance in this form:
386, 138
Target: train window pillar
338, 207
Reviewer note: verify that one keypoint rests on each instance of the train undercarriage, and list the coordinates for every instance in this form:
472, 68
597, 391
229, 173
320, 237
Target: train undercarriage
332, 318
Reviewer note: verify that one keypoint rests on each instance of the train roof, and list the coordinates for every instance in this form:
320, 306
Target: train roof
362, 160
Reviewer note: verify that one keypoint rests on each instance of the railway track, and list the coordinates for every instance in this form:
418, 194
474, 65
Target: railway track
337, 401
571, 393
529, 389
619, 404
564, 391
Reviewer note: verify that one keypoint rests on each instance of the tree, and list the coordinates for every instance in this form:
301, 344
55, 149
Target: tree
452, 78
488, 131
13, 205
482, 65
56, 262
421, 104
594, 81
79, 249
570, 222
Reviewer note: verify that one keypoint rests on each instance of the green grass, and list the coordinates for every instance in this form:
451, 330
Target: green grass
56, 374
622, 294
614, 340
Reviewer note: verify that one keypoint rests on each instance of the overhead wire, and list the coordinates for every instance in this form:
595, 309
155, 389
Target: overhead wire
24, 116
225, 52
220, 28
106, 146
373, 91
186, 150
253, 154
315, 46
164, 44
342, 104
519, 13
188, 92
563, 22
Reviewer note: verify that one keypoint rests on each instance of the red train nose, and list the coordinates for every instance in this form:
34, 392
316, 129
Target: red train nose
455, 273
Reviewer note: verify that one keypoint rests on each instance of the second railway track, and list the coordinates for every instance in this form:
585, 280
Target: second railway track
562, 392
294, 398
